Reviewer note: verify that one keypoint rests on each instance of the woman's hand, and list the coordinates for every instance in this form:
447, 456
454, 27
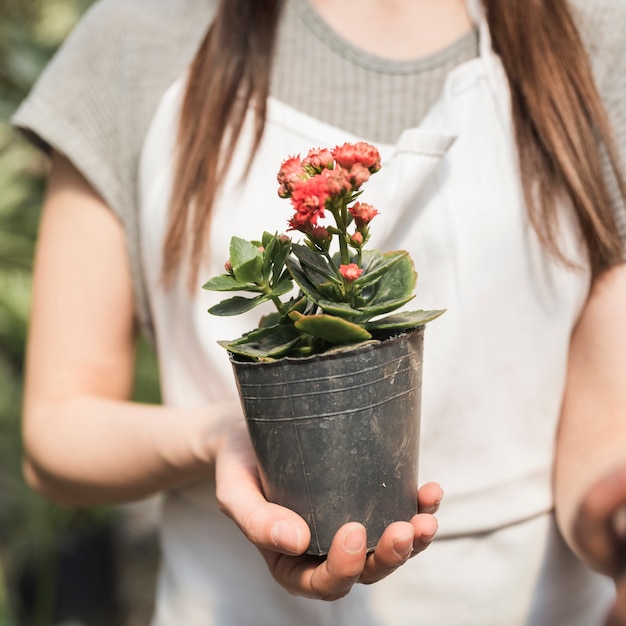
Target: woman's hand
282, 535
600, 531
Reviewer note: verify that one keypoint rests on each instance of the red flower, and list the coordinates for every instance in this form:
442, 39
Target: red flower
350, 272
301, 222
363, 213
309, 197
319, 234
318, 159
338, 181
360, 152
290, 173
357, 239
359, 174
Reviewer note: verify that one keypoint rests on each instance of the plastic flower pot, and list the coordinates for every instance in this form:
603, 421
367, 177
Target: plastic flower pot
336, 434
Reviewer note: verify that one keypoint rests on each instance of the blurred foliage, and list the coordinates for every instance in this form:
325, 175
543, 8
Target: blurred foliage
30, 32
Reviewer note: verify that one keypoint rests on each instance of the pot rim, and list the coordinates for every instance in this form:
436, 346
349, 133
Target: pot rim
331, 354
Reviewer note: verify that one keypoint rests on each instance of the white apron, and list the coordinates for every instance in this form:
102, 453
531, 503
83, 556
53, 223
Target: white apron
494, 371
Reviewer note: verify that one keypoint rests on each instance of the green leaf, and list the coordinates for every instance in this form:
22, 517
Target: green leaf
271, 319
407, 319
282, 288
237, 305
330, 291
307, 287
376, 264
383, 307
397, 285
310, 291
332, 329
315, 261
227, 282
267, 238
268, 255
340, 309
281, 252
246, 259
266, 343
299, 304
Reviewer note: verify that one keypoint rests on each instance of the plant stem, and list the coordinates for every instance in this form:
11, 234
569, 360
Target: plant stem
343, 244
278, 304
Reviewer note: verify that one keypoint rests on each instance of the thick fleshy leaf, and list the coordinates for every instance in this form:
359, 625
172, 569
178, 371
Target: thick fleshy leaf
329, 291
315, 278
266, 239
246, 259
265, 343
380, 308
315, 261
397, 284
280, 255
376, 264
309, 290
406, 319
298, 304
332, 329
268, 253
227, 282
341, 309
271, 319
237, 305
282, 288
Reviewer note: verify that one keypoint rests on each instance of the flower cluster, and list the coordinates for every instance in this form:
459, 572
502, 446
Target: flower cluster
328, 180
343, 295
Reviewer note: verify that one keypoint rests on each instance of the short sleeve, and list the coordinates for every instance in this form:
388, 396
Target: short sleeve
76, 105
95, 100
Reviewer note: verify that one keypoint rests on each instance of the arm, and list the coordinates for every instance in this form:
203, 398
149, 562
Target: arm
85, 443
590, 468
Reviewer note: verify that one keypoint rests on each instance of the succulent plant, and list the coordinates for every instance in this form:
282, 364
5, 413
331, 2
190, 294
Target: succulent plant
343, 297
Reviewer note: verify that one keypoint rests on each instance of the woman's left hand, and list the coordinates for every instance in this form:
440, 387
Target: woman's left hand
282, 535
600, 532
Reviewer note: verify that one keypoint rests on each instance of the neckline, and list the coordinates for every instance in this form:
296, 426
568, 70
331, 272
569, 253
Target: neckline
329, 37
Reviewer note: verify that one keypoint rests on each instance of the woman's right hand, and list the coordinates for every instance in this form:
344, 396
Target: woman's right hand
282, 535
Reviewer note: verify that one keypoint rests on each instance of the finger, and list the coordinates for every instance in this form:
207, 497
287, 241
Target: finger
240, 497
399, 542
429, 498
394, 548
424, 530
595, 527
328, 579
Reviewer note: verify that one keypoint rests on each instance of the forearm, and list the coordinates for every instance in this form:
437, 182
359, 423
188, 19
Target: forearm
89, 450
591, 442
583, 461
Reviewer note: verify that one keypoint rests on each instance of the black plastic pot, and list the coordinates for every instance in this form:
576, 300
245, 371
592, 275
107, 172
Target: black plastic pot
336, 435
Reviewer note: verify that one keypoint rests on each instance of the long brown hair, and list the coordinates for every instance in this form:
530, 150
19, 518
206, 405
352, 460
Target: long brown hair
560, 122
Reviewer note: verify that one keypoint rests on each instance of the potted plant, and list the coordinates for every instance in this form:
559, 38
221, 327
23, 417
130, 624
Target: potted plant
330, 382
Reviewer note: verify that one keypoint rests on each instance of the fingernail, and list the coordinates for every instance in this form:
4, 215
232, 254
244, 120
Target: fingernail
286, 536
427, 539
354, 541
403, 546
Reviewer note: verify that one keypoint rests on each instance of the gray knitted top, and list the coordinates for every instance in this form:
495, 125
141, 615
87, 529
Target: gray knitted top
95, 101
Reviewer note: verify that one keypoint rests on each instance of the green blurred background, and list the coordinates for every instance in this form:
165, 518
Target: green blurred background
57, 565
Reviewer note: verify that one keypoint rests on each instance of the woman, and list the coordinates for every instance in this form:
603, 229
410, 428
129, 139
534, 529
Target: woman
501, 179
